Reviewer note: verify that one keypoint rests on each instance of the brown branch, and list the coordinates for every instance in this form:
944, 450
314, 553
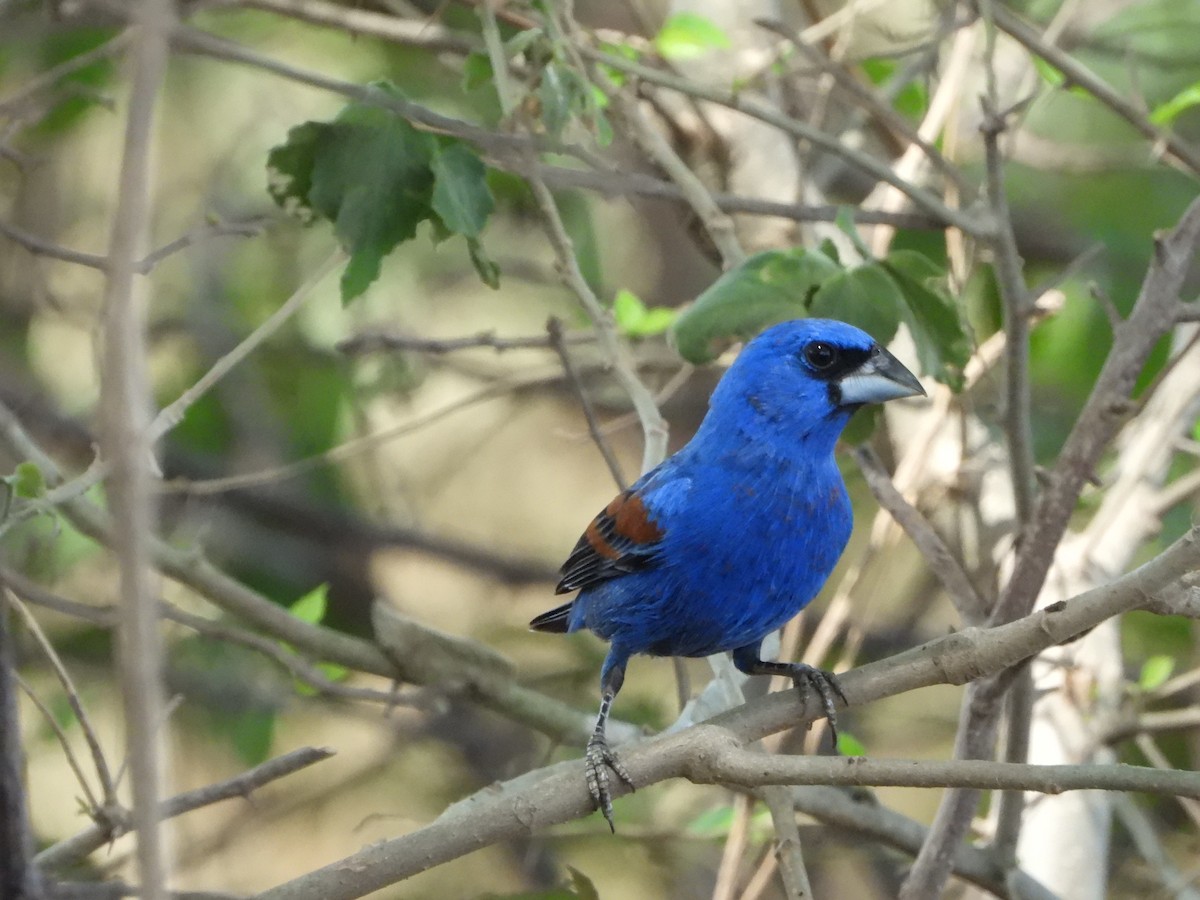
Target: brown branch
19, 879
94, 837
368, 342
1078, 74
554, 330
946, 567
127, 448
504, 695
558, 793
107, 784
1152, 316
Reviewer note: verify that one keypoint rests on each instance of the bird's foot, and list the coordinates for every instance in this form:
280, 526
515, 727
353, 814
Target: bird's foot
598, 759
826, 686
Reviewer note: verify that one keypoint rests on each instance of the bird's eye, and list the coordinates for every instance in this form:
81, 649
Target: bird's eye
820, 355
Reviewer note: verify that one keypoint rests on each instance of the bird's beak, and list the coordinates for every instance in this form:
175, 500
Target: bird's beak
882, 377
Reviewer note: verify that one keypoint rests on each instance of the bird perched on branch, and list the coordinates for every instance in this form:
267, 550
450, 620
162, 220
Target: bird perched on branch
732, 536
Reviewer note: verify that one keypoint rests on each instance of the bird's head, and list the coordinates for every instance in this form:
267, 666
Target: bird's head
805, 377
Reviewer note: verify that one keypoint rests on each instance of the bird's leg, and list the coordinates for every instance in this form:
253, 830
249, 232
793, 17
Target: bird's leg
803, 676
599, 757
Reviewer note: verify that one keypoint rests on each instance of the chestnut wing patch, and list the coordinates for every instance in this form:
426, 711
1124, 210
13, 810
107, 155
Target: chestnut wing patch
622, 538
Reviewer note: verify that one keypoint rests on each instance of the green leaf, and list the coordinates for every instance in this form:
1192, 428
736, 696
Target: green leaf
767, 288
27, 481
1184, 100
849, 745
252, 734
522, 41
1155, 672
943, 346
844, 220
636, 320
332, 671
913, 98
289, 169
554, 92
376, 178
461, 196
477, 71
485, 266
628, 310
862, 425
866, 297
372, 179
311, 608
1048, 73
712, 823
688, 35
582, 886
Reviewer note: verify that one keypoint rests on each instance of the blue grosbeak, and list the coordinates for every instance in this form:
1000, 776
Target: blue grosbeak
732, 536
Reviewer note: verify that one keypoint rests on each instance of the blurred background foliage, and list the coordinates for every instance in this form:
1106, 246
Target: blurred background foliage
462, 519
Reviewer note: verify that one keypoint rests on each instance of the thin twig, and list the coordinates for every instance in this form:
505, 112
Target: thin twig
19, 878
94, 806
172, 415
654, 427
185, 565
715, 750
1159, 761
354, 446
369, 342
291, 662
42, 247
787, 843
50, 77
921, 198
103, 773
554, 330
1078, 74
506, 90
208, 231
940, 559
1015, 297
717, 224
735, 847
95, 836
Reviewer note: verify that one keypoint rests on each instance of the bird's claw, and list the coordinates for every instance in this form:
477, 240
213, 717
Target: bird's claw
826, 687
598, 759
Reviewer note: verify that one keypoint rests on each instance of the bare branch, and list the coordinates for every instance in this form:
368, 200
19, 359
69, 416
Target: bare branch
94, 837
107, 784
940, 559
19, 879
653, 426
1078, 74
504, 695
1151, 318
708, 751
125, 407
558, 342
369, 342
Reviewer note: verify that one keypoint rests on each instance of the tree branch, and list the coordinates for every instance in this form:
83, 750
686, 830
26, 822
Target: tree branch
557, 794
75, 848
127, 448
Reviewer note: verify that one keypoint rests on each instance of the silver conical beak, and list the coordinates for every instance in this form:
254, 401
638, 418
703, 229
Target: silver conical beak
882, 377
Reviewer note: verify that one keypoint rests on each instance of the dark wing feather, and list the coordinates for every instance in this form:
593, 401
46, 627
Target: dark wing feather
622, 538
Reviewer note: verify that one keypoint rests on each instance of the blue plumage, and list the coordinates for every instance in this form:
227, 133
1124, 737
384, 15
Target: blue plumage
732, 536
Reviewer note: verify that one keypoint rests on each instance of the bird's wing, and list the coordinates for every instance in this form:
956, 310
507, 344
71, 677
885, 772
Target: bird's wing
626, 536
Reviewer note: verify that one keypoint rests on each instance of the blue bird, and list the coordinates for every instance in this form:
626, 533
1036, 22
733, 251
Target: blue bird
733, 535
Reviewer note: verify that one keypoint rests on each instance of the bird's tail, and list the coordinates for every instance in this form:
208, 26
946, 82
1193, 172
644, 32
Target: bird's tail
555, 620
